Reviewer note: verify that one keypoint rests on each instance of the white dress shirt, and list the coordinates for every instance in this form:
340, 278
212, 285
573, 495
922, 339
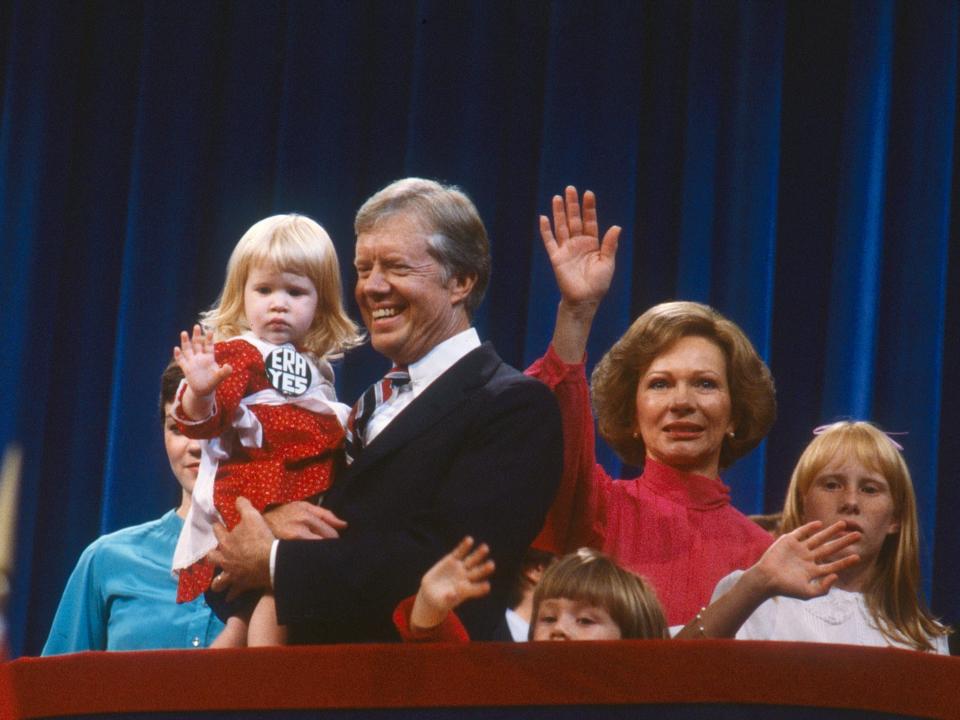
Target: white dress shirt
422, 373
519, 628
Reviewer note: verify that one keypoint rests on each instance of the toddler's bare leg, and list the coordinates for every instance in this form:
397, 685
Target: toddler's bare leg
264, 629
234, 634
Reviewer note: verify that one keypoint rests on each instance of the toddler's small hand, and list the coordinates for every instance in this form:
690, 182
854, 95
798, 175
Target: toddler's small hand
200, 368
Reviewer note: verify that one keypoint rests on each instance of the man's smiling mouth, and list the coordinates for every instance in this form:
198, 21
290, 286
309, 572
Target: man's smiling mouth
380, 313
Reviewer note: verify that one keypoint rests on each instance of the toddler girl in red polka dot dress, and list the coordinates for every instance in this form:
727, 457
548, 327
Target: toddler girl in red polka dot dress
259, 390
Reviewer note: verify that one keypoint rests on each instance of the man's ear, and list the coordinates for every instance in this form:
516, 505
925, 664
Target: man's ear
460, 287
534, 572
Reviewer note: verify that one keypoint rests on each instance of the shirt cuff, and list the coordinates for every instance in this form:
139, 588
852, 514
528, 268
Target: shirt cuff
552, 370
273, 560
450, 630
180, 416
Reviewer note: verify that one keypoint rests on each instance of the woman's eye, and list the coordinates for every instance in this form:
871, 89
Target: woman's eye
707, 383
657, 384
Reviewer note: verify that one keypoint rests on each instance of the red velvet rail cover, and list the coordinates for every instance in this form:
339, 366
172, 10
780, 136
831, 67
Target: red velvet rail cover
484, 675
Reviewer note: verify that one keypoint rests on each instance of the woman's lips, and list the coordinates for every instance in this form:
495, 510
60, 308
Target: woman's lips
683, 429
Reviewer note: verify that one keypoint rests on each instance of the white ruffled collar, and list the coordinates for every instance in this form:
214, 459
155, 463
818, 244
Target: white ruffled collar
836, 607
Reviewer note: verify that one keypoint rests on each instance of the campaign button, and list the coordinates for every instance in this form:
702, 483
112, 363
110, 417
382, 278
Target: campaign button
288, 371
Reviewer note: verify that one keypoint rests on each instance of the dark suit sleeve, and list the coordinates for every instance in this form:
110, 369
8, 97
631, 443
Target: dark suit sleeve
489, 469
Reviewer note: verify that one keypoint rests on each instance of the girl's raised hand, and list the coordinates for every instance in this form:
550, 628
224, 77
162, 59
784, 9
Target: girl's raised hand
582, 264
798, 564
458, 576
195, 357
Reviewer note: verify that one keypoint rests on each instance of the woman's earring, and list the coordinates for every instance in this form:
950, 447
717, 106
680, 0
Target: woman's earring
731, 435
636, 434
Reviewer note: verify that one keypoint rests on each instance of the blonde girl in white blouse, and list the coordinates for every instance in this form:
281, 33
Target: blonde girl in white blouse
846, 568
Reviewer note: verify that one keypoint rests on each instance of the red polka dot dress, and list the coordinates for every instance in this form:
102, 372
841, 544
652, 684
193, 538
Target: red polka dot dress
295, 460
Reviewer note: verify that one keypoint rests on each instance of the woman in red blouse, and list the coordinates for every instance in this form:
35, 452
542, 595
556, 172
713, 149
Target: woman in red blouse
683, 393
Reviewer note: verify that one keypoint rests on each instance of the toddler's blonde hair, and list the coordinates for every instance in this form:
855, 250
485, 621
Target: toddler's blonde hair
289, 243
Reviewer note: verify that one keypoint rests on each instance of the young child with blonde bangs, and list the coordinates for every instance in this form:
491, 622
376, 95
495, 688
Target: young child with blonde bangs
583, 596
259, 390
846, 568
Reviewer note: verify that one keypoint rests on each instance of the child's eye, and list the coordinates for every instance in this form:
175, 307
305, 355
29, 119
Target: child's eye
173, 428
586, 620
547, 619
262, 290
870, 489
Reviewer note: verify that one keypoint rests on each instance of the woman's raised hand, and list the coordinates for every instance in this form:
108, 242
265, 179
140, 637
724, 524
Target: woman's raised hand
458, 576
798, 564
582, 264
200, 368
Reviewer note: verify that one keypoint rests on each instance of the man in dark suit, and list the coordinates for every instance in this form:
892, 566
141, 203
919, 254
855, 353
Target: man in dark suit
466, 446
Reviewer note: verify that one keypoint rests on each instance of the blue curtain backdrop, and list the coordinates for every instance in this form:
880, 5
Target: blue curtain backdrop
791, 163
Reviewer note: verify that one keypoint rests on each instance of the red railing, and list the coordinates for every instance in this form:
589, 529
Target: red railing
482, 675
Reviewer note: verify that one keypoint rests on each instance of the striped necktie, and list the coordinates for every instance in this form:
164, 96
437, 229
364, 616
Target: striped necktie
372, 398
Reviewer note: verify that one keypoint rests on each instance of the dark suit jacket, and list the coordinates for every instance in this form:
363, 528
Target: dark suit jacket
501, 633
479, 452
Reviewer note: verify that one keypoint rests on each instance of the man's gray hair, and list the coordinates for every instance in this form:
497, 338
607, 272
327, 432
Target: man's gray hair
456, 237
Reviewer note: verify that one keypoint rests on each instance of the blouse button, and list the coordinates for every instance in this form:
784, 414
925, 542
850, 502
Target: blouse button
195, 642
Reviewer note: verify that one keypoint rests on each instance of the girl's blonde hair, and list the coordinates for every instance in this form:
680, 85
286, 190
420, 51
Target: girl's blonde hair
893, 592
590, 576
289, 243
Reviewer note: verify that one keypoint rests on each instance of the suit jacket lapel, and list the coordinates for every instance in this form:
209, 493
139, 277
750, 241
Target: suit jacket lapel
444, 396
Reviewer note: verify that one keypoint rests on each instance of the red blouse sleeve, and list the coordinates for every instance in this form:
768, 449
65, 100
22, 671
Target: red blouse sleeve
450, 630
577, 515
245, 360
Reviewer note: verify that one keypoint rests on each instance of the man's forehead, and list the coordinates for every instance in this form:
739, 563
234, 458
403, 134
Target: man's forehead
399, 237
401, 221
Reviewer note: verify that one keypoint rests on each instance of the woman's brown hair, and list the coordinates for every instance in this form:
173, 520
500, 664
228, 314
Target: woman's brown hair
615, 379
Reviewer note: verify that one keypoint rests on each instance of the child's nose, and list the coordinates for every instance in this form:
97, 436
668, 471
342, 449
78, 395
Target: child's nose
850, 501
560, 630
